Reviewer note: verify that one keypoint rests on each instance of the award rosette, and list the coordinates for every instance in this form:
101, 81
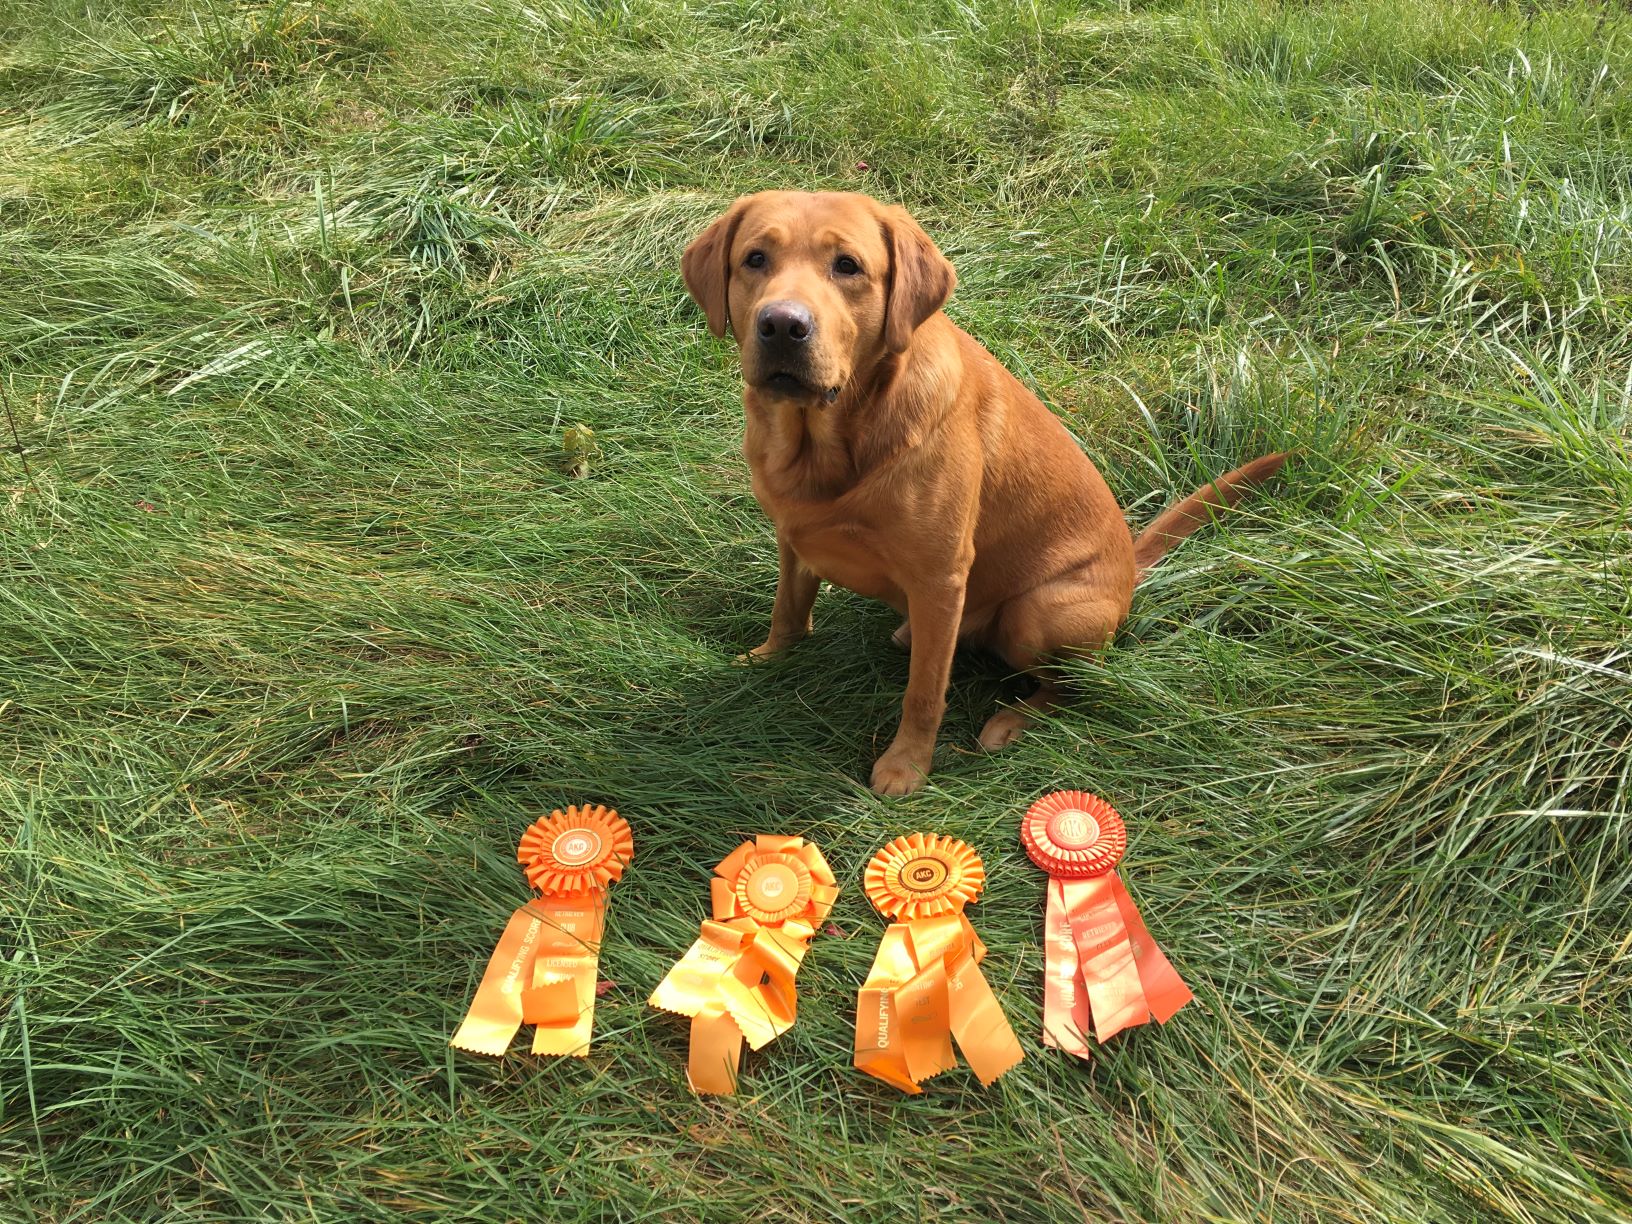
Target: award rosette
543, 971
737, 981
1101, 964
925, 986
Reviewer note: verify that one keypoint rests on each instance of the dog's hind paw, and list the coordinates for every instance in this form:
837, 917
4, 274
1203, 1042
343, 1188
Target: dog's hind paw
1002, 729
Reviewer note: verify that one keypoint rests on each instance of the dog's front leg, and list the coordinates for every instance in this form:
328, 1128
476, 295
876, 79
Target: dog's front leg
796, 590
934, 613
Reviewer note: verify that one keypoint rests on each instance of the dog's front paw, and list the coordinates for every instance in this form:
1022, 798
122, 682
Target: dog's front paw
899, 772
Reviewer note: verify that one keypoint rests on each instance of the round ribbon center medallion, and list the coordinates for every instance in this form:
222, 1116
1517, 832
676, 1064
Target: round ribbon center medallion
576, 847
772, 886
1073, 829
924, 875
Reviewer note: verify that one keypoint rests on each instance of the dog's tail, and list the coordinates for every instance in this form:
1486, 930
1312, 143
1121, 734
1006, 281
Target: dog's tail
1182, 518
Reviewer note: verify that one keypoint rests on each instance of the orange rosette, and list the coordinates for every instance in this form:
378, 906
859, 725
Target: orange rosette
925, 987
1101, 967
576, 851
737, 981
543, 971
924, 875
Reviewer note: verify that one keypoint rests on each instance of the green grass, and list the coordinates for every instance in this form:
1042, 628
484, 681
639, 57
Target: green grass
302, 620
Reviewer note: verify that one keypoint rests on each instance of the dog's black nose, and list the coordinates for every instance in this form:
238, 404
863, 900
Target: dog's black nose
785, 324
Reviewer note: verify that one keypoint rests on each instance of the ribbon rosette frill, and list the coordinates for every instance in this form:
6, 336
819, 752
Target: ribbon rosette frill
737, 981
925, 986
543, 971
1100, 962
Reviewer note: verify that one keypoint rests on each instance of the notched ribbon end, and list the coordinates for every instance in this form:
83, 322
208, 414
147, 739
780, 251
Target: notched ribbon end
488, 1039
991, 1073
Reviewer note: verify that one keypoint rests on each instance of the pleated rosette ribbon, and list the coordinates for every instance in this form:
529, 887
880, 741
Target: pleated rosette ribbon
543, 971
1100, 963
925, 987
737, 981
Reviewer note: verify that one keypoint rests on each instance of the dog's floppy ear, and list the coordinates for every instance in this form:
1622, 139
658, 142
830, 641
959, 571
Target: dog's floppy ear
921, 279
706, 266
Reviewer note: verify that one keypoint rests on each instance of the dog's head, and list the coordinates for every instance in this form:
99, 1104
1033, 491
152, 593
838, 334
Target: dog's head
818, 287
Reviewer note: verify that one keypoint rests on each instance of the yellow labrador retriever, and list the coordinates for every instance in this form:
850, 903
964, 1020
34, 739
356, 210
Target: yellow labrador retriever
897, 458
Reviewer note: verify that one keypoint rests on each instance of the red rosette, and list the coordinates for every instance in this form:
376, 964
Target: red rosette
1073, 835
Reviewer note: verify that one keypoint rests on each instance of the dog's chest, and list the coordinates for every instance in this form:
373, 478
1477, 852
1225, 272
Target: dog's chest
844, 553
833, 541
808, 486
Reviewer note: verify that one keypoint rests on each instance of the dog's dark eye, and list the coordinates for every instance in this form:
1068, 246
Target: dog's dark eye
756, 259
845, 266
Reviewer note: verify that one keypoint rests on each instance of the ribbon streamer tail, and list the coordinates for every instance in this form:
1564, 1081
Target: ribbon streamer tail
1065, 998
760, 990
1116, 995
977, 1020
878, 1047
1164, 989
496, 1012
926, 1018
881, 1018
694, 988
694, 980
716, 1052
561, 999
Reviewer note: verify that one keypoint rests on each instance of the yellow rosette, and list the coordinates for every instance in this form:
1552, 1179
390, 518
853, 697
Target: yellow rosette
737, 981
543, 971
925, 987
